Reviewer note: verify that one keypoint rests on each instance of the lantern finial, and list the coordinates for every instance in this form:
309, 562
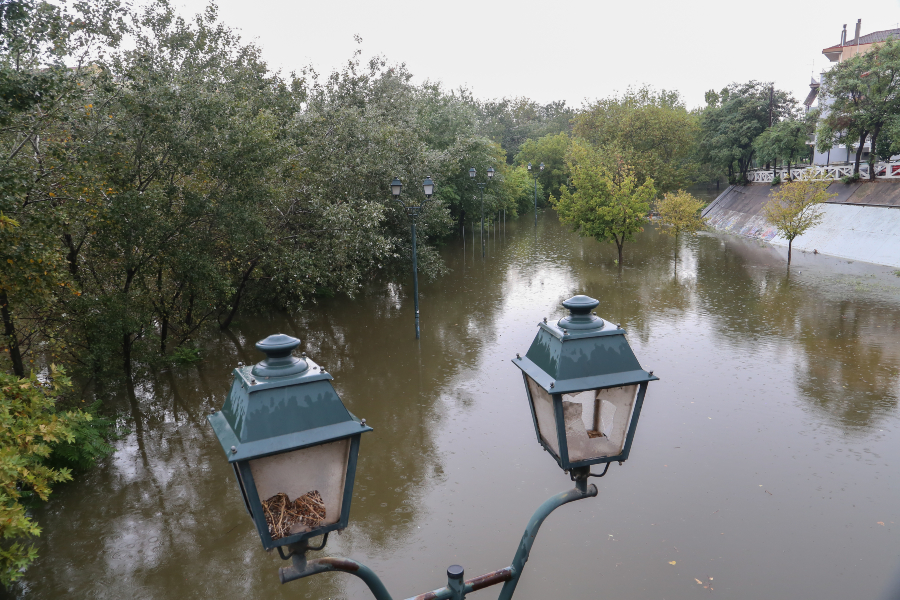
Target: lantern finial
580, 317
279, 360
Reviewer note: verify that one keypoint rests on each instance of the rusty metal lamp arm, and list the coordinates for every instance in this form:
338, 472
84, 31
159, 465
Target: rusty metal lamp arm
456, 588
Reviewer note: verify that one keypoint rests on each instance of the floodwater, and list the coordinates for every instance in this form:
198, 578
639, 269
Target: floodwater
765, 464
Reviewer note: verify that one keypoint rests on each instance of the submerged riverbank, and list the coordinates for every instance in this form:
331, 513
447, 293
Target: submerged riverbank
861, 222
764, 458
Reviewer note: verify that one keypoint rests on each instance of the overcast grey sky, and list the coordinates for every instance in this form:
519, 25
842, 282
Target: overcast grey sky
569, 49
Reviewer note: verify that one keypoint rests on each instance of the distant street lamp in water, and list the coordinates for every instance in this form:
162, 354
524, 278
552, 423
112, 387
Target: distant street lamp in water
490, 174
535, 176
293, 444
413, 212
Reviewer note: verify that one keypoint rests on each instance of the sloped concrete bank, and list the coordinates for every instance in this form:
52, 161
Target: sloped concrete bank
861, 223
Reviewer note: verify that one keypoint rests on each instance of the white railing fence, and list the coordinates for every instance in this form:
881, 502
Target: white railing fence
883, 170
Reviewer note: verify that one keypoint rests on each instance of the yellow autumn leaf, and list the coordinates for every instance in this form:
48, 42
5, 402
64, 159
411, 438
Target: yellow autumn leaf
698, 581
671, 562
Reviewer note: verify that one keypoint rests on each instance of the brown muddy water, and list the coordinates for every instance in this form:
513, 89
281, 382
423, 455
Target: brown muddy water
765, 463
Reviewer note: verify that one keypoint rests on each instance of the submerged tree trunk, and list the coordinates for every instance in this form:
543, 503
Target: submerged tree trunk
790, 243
127, 342
237, 295
163, 333
12, 340
189, 317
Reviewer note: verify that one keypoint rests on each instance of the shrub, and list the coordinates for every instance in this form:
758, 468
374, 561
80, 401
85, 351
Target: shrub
32, 430
185, 355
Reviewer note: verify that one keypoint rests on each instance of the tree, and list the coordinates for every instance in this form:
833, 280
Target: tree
794, 208
30, 426
864, 95
680, 212
787, 140
734, 118
605, 202
511, 121
653, 131
550, 150
44, 64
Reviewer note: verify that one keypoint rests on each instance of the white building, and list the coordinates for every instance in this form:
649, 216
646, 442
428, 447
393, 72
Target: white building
836, 54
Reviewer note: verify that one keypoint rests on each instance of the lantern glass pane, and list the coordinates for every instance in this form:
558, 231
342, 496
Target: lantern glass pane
597, 421
313, 481
543, 411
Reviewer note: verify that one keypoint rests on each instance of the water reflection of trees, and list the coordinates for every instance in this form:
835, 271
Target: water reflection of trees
169, 483
163, 514
850, 347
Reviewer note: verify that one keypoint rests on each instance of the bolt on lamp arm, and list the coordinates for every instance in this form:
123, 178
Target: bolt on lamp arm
456, 589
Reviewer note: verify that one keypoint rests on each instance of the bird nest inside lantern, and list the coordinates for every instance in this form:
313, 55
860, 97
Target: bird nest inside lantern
282, 515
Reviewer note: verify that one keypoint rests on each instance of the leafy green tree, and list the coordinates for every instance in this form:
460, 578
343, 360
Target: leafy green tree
787, 140
679, 212
511, 121
794, 208
519, 187
550, 150
47, 50
864, 95
606, 203
734, 118
653, 131
30, 427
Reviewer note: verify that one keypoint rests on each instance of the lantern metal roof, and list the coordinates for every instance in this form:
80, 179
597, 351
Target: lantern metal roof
280, 404
580, 352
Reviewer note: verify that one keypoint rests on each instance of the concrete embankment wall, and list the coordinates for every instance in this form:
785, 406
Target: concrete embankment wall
861, 223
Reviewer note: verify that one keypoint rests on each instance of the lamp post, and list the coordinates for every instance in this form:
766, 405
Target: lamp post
292, 444
490, 174
535, 176
413, 212
292, 441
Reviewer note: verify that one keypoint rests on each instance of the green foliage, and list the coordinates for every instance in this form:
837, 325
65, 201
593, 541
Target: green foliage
90, 442
186, 355
864, 95
518, 186
793, 208
848, 179
734, 118
550, 150
653, 132
30, 430
785, 140
509, 122
606, 201
776, 180
679, 212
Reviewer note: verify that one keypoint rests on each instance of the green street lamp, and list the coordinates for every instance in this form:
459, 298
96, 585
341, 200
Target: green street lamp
413, 212
490, 174
535, 176
292, 444
585, 388
286, 432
